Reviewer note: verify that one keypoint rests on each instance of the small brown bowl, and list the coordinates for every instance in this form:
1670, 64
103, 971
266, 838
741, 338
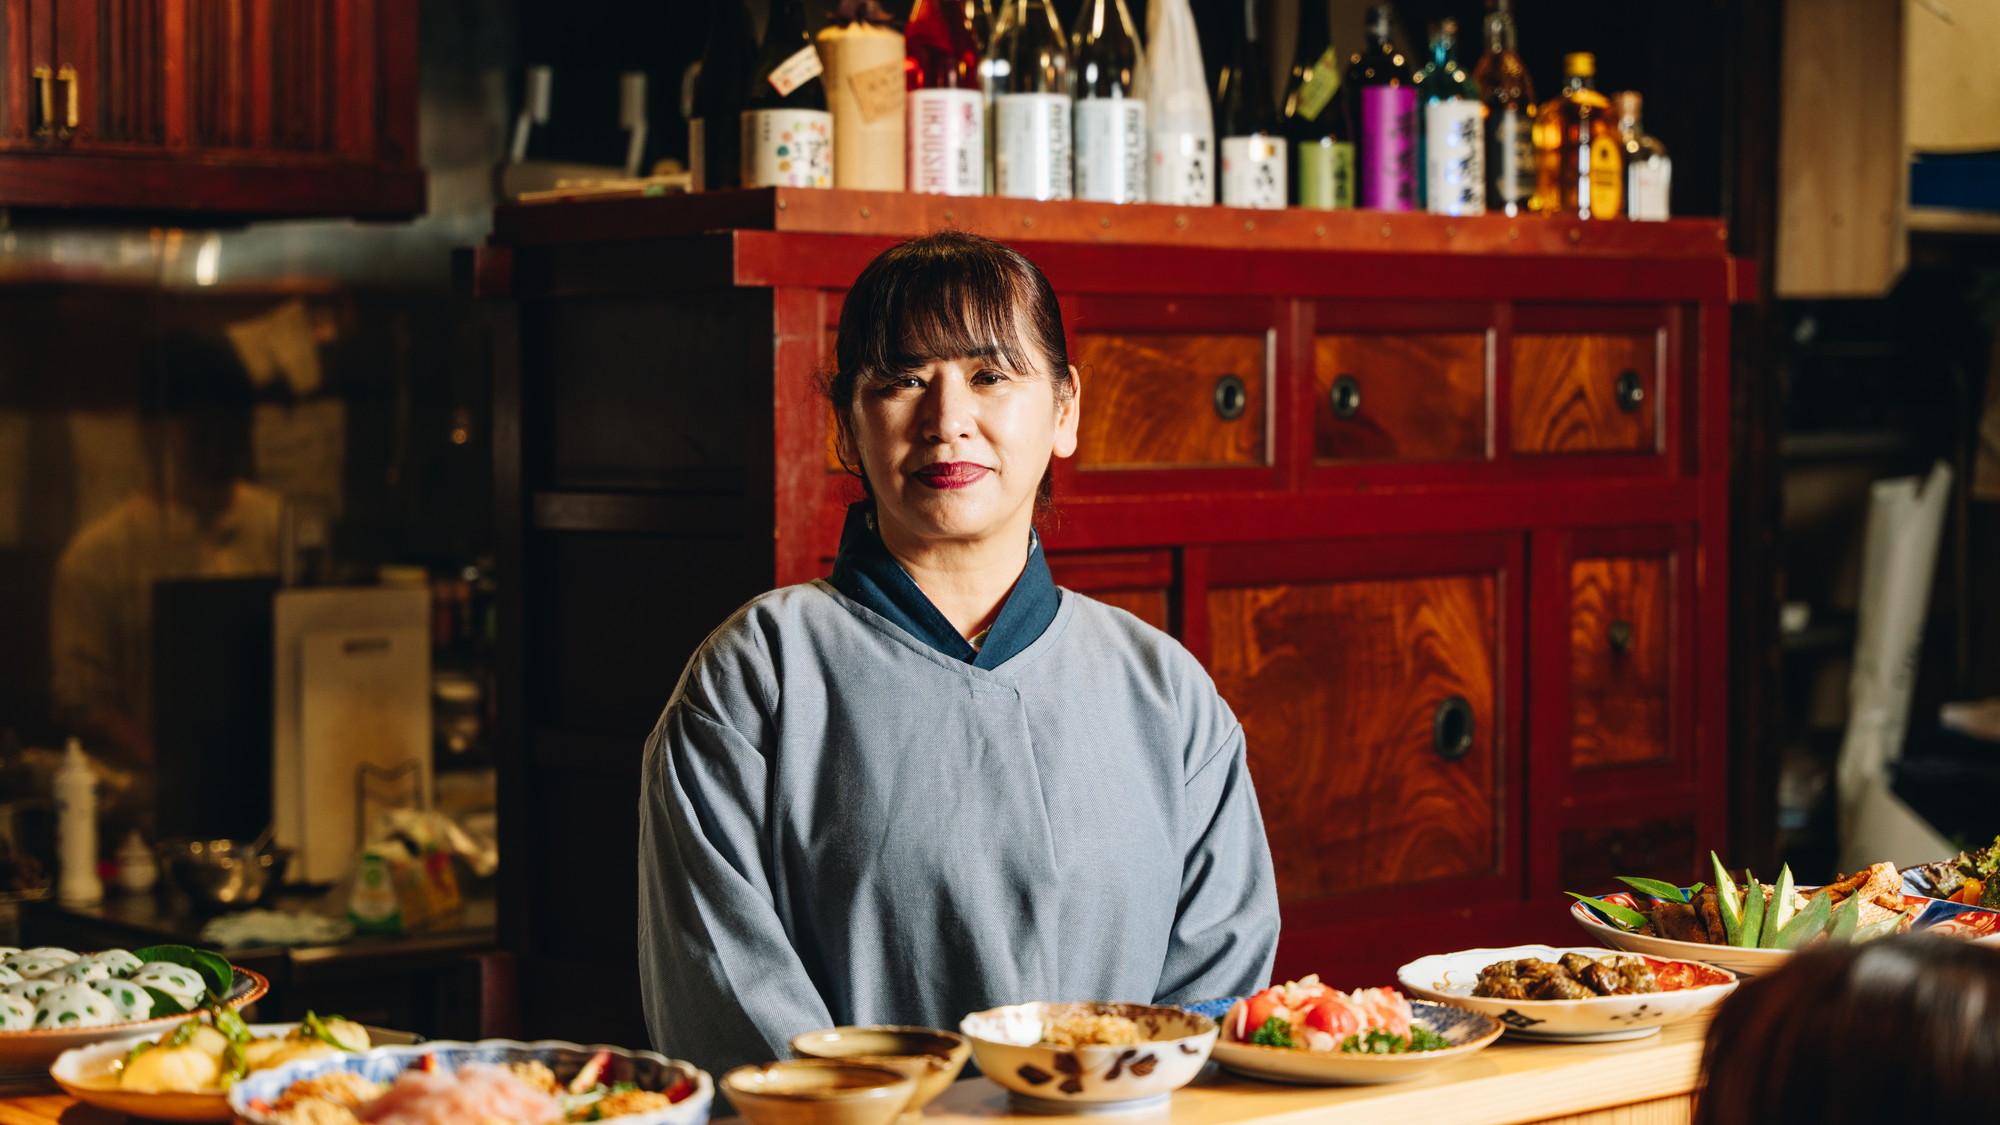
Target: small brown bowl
932, 1057
817, 1092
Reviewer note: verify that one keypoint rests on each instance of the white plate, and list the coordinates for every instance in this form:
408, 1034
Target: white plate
83, 1072
1468, 1031
1448, 978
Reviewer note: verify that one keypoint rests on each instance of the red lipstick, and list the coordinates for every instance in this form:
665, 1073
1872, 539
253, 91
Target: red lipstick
951, 474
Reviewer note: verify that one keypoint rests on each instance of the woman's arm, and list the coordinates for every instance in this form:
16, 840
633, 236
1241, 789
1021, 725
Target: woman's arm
722, 982
1226, 928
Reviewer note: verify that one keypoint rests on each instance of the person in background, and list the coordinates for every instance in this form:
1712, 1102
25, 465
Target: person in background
1901, 1029
935, 782
197, 516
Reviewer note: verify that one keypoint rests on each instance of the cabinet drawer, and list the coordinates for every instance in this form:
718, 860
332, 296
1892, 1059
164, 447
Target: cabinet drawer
1138, 582
1586, 392
1621, 645
1369, 707
1173, 400
1401, 397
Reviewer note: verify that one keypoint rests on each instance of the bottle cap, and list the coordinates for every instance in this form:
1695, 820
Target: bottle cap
1628, 103
1582, 64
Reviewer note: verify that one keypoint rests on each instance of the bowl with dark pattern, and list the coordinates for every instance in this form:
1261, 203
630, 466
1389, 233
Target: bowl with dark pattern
1010, 1047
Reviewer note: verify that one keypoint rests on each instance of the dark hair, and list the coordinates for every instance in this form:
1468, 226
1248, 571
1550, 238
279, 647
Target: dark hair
947, 295
1905, 1028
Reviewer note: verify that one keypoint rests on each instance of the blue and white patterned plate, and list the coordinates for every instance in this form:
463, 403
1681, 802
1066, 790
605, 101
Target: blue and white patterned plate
1466, 1031
251, 1097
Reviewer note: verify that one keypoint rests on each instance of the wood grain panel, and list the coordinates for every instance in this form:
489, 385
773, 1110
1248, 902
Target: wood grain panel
1337, 684
1565, 393
1620, 635
1149, 606
1423, 397
1593, 857
1149, 399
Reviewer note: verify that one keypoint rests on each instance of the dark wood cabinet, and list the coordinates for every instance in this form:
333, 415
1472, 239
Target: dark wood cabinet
244, 108
1441, 504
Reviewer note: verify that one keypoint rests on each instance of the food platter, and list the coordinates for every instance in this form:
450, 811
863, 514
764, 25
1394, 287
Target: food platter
1468, 1031
33, 1050
1448, 978
1935, 915
86, 1074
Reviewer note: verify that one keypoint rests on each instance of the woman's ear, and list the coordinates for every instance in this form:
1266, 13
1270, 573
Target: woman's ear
843, 444
1068, 411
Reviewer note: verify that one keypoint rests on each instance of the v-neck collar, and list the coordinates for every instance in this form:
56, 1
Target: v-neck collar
865, 571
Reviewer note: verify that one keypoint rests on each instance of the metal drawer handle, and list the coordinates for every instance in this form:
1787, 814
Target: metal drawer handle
1620, 636
1232, 398
1451, 729
1345, 397
1631, 391
45, 89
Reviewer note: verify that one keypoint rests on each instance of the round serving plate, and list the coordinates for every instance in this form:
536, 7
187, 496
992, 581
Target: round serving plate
1448, 978
83, 1073
32, 1051
1467, 1031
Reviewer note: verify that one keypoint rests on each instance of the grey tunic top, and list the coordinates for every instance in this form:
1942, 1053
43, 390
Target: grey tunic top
841, 825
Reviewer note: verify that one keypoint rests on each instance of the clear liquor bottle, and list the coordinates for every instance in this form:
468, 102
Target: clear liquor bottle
1179, 114
1105, 59
946, 149
1649, 171
787, 131
1454, 144
1581, 163
1508, 93
1387, 154
1246, 118
715, 133
1027, 73
1319, 117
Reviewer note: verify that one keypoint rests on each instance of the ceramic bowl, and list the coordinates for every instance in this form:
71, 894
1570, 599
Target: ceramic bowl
1951, 918
251, 1098
1448, 978
933, 1058
818, 1092
1467, 1032
32, 1051
88, 1075
1007, 1042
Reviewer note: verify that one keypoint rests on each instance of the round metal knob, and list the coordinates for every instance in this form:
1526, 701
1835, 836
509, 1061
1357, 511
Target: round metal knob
1451, 729
1345, 397
1631, 391
1620, 636
1232, 398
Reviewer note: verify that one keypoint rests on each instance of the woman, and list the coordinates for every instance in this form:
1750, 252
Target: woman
1903, 1029
934, 782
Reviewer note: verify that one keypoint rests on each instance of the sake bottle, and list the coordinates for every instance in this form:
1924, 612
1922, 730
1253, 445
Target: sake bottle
947, 110
865, 82
1028, 73
715, 134
1178, 112
787, 131
1318, 117
1388, 149
1454, 167
1110, 119
1246, 118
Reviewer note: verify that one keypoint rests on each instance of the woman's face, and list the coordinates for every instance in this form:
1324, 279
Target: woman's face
955, 449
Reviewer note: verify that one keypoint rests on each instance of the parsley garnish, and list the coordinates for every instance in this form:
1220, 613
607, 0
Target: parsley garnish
1274, 1033
1379, 1042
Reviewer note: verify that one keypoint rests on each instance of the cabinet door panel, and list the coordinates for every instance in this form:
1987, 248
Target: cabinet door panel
1574, 392
1403, 397
1159, 400
1661, 847
1620, 661
1340, 687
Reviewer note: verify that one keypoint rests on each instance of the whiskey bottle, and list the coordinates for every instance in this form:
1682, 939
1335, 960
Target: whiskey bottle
1319, 117
1454, 142
1508, 94
946, 153
1649, 171
1110, 117
787, 131
1246, 118
1029, 89
1387, 154
1582, 164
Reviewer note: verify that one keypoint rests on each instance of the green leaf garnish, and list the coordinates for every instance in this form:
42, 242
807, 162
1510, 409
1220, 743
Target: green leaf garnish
1780, 910
165, 1003
1807, 924
1623, 915
1873, 930
215, 969
1654, 888
1274, 1033
1846, 919
1753, 913
318, 1028
1729, 902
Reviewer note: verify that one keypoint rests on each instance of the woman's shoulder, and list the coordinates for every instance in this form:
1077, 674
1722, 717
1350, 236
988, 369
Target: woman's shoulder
1110, 632
737, 662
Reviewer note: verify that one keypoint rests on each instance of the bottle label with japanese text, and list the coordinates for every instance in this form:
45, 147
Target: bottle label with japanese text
1317, 91
1183, 170
1111, 150
1646, 187
1326, 174
1510, 154
1254, 172
794, 72
1031, 146
1454, 168
1389, 148
947, 146
1607, 177
787, 148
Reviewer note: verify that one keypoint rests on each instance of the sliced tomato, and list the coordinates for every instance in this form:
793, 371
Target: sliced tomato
1334, 1014
1256, 1010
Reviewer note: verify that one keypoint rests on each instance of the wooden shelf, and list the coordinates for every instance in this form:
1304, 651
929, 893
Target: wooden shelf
1946, 220
904, 215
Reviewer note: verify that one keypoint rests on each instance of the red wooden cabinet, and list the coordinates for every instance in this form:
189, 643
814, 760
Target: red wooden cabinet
1441, 505
249, 108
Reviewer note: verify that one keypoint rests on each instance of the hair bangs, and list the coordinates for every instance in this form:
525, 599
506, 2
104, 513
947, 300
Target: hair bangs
948, 307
